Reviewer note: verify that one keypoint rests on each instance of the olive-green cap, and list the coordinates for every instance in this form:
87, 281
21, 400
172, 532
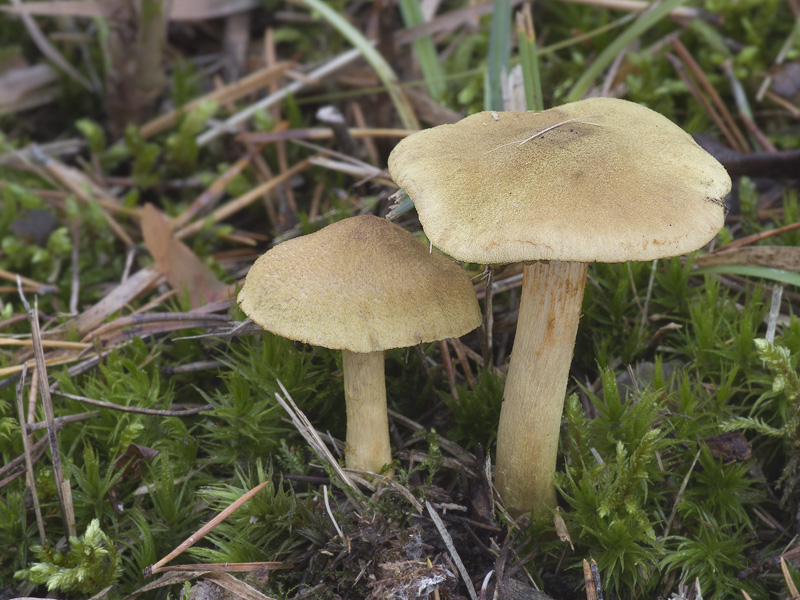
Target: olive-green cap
601, 179
362, 284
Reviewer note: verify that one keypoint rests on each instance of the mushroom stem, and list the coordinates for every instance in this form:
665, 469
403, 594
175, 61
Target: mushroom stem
530, 419
367, 447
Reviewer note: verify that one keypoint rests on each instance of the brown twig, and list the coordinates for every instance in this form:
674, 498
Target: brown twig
703, 101
735, 136
133, 409
76, 418
757, 237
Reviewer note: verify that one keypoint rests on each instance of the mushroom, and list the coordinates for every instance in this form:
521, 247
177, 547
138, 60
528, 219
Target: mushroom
361, 285
596, 180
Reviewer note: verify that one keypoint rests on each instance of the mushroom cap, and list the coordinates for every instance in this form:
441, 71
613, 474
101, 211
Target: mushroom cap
596, 180
361, 284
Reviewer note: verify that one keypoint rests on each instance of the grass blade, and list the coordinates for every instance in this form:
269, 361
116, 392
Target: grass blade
779, 275
499, 54
605, 58
425, 50
526, 34
372, 56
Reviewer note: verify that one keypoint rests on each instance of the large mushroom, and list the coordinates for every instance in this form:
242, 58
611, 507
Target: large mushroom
361, 285
597, 180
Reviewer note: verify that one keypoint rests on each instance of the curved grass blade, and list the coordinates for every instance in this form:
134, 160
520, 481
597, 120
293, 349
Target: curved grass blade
499, 54
425, 50
372, 56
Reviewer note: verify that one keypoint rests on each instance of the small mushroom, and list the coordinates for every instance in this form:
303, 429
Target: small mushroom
361, 285
597, 180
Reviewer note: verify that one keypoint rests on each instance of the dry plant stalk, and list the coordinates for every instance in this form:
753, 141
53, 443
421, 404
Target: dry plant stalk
26, 445
204, 530
245, 200
451, 547
311, 436
133, 409
62, 485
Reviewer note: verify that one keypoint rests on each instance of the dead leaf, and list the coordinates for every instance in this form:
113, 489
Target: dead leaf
178, 263
561, 529
786, 80
729, 447
27, 87
131, 460
34, 226
787, 577
133, 286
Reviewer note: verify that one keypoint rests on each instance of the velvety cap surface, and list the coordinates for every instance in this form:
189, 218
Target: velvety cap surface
597, 180
363, 284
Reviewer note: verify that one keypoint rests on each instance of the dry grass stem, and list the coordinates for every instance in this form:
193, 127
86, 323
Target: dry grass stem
306, 429
44, 45
216, 190
247, 567
680, 69
342, 536
204, 530
50, 362
230, 93
488, 316
787, 577
726, 122
520, 143
774, 312
45, 343
461, 353
134, 286
756, 237
20, 460
37, 287
234, 206
62, 485
451, 548
682, 13
85, 190
26, 445
232, 122
237, 587
390, 484
684, 483
323, 133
